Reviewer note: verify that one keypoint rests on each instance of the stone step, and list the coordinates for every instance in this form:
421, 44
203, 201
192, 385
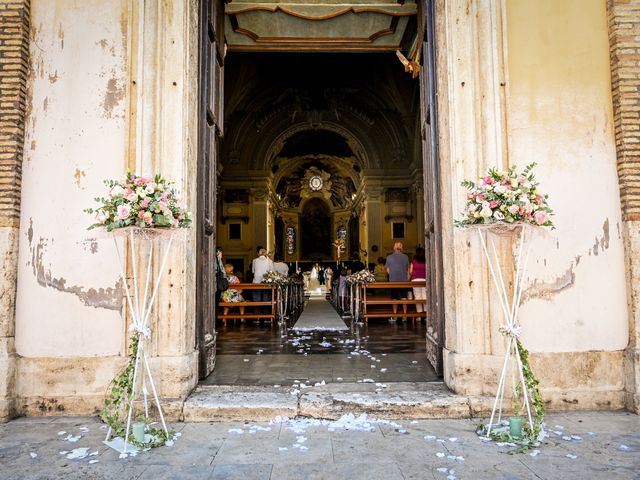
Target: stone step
401, 400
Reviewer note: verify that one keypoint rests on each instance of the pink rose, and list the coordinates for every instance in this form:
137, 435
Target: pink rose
101, 218
138, 181
488, 180
540, 217
123, 212
539, 199
148, 218
480, 198
493, 204
145, 203
132, 197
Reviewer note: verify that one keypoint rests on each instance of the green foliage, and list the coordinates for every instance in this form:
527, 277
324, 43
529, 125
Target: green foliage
119, 400
531, 437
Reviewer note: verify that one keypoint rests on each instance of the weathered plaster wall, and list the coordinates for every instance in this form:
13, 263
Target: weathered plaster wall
69, 301
521, 82
560, 115
113, 86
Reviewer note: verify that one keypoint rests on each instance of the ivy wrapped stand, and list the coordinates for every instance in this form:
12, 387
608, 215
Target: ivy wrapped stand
136, 378
526, 395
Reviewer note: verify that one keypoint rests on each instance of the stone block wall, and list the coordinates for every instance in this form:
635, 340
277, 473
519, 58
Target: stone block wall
14, 55
624, 43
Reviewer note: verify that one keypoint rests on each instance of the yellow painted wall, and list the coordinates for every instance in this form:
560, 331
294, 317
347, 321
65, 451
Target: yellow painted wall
560, 115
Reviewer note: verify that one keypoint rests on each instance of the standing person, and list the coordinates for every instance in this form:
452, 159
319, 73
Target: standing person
397, 265
259, 266
328, 278
418, 273
279, 266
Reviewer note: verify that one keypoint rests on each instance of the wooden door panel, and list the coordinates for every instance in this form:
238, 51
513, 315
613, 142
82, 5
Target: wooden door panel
210, 115
433, 231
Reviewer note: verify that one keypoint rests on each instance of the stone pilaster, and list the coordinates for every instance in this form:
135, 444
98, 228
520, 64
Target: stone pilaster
14, 64
624, 44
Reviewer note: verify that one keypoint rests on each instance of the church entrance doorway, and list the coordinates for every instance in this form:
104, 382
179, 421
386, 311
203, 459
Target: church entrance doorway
325, 159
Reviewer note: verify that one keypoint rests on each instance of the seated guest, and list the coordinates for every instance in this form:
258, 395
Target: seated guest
280, 267
231, 295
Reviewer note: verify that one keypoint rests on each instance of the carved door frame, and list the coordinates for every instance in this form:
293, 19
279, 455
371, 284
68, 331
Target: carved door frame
432, 198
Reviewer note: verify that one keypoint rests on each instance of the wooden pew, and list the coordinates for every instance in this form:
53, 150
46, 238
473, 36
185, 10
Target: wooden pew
372, 306
249, 305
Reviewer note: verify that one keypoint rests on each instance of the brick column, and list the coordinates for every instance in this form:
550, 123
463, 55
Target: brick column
14, 58
624, 44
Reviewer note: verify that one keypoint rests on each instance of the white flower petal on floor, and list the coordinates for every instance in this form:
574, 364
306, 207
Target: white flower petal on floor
453, 439
624, 447
83, 430
78, 453
440, 455
94, 461
534, 453
62, 432
429, 437
239, 431
442, 469
33, 455
571, 456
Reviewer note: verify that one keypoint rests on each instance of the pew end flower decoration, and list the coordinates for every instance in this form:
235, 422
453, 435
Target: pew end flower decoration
506, 196
139, 201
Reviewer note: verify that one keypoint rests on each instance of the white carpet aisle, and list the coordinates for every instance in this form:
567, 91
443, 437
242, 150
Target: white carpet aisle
319, 315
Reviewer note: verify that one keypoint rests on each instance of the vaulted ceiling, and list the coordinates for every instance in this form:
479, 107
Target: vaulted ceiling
357, 112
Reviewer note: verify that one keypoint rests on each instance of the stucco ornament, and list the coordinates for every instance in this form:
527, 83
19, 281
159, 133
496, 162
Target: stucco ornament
509, 203
146, 212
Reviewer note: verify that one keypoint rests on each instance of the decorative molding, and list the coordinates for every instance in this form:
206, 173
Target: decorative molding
406, 10
327, 40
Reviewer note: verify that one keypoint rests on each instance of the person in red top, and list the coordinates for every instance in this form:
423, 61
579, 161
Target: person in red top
418, 272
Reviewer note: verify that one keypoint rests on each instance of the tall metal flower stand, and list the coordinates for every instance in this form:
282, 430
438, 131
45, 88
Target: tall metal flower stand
510, 307
143, 244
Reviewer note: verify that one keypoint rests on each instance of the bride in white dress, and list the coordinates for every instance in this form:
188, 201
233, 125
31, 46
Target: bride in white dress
314, 283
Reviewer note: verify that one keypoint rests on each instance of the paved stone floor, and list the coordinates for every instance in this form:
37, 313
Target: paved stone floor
605, 445
285, 369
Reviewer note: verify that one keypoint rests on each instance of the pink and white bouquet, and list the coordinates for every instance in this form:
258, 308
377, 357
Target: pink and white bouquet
506, 196
140, 201
363, 276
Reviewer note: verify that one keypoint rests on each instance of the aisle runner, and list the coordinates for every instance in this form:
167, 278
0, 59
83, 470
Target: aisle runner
319, 315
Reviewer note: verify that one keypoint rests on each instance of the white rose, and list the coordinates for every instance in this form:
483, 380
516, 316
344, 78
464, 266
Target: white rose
500, 189
513, 209
116, 190
486, 212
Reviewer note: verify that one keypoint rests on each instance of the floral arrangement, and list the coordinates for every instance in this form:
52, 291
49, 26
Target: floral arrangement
140, 201
363, 276
275, 278
506, 196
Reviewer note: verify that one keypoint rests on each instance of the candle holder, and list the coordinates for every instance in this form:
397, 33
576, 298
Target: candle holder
515, 426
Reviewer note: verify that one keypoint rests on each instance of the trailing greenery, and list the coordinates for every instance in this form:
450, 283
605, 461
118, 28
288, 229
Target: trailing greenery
531, 437
118, 401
